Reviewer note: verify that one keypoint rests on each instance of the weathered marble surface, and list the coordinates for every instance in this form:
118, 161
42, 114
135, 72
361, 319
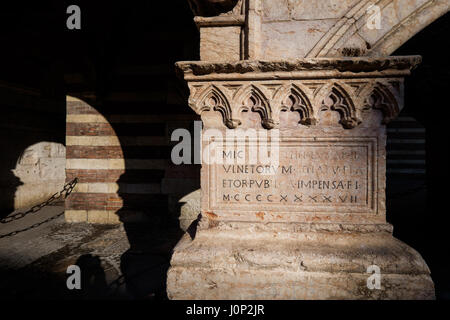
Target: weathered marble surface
220, 43
41, 170
291, 29
254, 264
288, 233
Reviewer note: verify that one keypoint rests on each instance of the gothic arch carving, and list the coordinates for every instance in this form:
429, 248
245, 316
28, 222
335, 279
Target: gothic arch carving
251, 98
212, 98
382, 98
292, 98
339, 100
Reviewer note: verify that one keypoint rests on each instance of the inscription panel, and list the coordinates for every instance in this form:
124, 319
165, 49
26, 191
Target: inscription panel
312, 175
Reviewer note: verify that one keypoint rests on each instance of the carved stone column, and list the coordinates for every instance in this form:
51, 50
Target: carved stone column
312, 224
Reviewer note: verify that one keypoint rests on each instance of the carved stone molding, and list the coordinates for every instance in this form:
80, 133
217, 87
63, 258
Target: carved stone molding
350, 87
292, 97
338, 99
381, 97
399, 65
309, 98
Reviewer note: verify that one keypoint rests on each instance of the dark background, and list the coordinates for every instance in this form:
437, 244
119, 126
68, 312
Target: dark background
425, 226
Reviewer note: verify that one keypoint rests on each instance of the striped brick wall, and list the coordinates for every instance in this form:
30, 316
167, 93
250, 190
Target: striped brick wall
406, 165
121, 157
406, 149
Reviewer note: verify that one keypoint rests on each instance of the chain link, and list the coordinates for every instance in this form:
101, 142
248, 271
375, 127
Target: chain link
13, 233
66, 190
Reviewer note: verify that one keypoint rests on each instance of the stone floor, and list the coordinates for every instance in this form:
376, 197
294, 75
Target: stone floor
33, 263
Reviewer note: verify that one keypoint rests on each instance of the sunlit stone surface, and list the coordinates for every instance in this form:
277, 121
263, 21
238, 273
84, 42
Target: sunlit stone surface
310, 224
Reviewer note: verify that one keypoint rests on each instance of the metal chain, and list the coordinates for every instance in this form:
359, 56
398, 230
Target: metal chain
13, 233
66, 190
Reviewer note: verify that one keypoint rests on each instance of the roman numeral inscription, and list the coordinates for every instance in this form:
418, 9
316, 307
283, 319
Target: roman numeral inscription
308, 175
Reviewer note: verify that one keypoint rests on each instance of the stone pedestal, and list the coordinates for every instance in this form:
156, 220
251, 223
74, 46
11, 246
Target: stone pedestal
306, 217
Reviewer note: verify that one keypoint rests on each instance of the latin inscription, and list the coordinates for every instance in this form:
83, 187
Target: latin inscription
311, 174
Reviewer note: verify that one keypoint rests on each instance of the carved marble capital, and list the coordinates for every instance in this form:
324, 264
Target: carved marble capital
308, 87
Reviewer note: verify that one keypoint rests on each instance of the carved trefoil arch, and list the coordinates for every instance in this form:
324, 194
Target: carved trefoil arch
347, 98
292, 98
383, 99
339, 100
251, 98
212, 98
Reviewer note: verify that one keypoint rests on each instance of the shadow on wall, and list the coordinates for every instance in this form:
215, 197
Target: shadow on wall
139, 102
32, 137
121, 154
131, 80
138, 95
154, 221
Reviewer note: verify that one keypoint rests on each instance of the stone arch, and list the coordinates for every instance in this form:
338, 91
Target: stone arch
408, 27
337, 99
351, 36
251, 98
382, 98
293, 98
212, 98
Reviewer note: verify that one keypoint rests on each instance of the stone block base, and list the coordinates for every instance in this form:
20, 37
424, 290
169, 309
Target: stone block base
239, 264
